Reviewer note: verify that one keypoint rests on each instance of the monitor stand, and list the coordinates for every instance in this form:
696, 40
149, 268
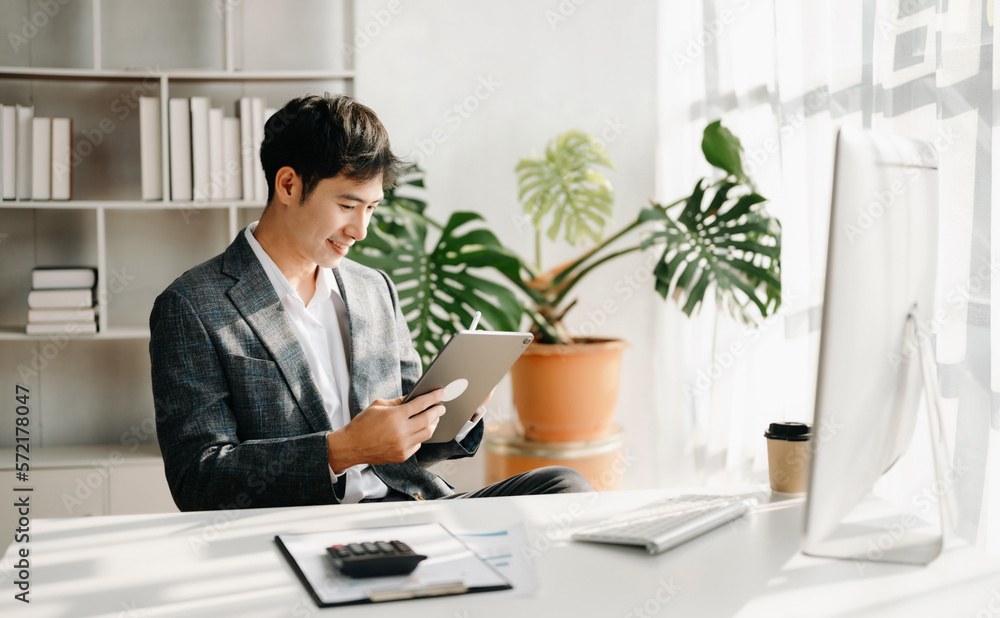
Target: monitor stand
877, 531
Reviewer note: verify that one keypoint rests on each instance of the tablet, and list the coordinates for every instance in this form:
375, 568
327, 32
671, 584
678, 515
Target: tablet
469, 366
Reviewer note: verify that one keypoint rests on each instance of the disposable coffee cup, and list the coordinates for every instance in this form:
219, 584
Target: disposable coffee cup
788, 457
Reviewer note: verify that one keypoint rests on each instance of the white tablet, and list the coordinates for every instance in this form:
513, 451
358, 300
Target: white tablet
469, 366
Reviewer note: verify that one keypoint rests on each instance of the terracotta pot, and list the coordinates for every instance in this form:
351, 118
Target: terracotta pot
568, 393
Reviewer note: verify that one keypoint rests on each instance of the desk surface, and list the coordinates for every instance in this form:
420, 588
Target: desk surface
226, 563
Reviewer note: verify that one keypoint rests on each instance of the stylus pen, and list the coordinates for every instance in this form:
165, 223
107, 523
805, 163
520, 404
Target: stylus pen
475, 320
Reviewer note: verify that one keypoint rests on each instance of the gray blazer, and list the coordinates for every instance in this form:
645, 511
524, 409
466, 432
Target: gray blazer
239, 418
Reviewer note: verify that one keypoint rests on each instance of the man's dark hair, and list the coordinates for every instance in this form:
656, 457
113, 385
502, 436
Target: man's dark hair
322, 136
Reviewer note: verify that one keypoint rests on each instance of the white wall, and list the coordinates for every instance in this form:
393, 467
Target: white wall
552, 66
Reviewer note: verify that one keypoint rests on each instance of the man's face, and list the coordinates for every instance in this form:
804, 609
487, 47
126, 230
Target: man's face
333, 217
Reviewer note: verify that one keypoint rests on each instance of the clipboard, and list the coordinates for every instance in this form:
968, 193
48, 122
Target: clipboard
451, 567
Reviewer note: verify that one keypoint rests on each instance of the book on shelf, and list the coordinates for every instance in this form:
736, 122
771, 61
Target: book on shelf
41, 158
246, 147
48, 316
8, 152
215, 177
25, 115
61, 299
259, 180
61, 278
67, 328
180, 149
232, 172
62, 153
268, 112
150, 148
200, 170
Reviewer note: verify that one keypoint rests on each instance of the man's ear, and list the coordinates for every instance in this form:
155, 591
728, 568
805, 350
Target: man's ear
287, 186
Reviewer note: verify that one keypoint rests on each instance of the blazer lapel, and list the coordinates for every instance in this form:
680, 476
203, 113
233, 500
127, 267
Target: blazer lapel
357, 326
255, 298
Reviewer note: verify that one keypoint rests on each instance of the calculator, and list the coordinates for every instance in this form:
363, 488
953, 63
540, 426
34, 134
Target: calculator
374, 558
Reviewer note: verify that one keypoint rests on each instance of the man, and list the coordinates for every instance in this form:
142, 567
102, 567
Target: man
279, 367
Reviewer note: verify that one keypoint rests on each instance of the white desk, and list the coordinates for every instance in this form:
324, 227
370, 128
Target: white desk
226, 564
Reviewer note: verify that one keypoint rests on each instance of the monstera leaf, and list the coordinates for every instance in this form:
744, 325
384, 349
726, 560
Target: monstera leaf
565, 185
723, 149
439, 285
729, 241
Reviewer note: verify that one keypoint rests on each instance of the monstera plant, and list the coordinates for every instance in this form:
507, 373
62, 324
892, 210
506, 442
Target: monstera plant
722, 235
719, 239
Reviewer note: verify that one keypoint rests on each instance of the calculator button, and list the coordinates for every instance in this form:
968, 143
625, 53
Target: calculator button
356, 549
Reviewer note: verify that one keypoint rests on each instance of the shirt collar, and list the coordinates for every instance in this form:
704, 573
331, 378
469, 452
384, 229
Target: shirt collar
325, 281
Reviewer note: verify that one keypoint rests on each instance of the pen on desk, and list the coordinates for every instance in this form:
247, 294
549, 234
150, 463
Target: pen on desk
431, 590
475, 320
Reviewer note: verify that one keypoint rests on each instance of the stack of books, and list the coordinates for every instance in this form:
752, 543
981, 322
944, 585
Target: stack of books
212, 157
36, 155
61, 301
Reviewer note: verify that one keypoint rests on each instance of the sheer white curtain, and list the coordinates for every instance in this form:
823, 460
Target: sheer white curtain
783, 75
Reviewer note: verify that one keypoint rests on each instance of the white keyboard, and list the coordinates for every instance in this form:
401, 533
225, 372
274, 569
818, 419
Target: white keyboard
667, 523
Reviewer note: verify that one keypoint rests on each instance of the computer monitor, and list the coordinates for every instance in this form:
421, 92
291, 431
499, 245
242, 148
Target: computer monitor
877, 313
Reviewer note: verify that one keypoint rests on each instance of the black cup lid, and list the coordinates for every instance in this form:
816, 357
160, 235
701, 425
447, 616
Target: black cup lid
794, 432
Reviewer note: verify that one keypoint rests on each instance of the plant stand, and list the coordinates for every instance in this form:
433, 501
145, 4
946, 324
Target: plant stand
601, 462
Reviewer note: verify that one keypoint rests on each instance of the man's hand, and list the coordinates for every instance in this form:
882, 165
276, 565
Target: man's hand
482, 407
388, 431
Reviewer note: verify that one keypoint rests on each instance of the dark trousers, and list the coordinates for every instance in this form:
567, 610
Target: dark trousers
547, 480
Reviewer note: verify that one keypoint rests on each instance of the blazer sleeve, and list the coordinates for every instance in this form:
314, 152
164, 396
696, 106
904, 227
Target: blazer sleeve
207, 465
410, 372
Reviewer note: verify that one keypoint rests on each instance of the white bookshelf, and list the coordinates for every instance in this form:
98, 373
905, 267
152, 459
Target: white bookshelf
88, 390
175, 75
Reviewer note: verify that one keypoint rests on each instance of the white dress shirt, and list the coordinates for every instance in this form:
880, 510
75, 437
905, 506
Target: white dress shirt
321, 328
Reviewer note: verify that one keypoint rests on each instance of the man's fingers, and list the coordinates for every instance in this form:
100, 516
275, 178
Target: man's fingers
425, 401
429, 418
